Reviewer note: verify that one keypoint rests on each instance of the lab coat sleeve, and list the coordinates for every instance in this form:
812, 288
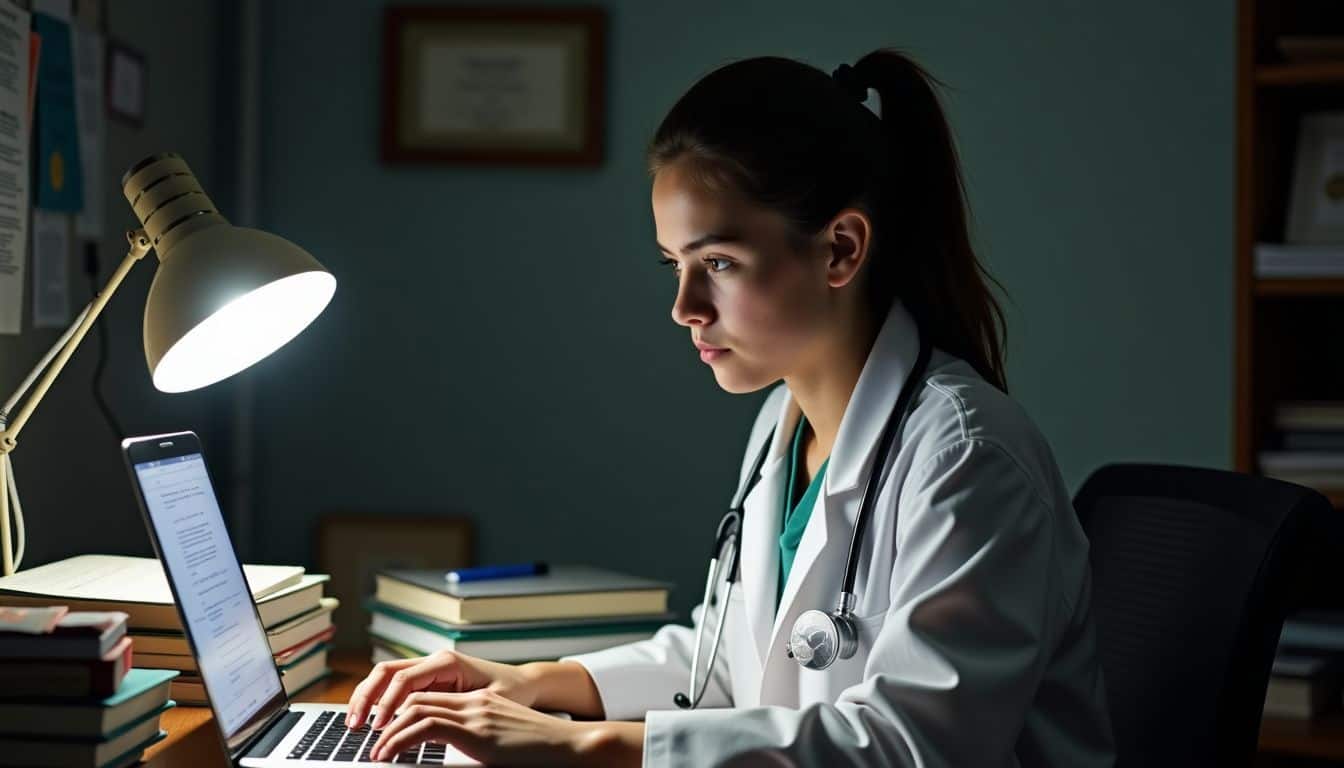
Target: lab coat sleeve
959, 653
637, 677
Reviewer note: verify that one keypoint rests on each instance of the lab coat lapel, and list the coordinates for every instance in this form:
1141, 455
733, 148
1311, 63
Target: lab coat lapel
815, 578
762, 515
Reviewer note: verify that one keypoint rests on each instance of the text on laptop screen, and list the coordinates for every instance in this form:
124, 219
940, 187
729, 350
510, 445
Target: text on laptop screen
232, 651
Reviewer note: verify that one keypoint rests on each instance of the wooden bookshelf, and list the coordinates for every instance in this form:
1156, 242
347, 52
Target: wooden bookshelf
1288, 332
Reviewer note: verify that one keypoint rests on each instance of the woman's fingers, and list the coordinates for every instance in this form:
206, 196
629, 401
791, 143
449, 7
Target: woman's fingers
407, 680
371, 687
417, 723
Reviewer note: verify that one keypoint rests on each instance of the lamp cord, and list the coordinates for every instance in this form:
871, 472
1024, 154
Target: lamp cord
91, 269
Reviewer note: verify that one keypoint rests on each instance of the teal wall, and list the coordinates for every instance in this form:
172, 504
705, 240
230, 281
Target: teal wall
500, 343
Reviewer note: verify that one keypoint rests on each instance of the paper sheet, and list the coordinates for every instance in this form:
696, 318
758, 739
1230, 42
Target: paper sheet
51, 269
89, 113
14, 43
60, 179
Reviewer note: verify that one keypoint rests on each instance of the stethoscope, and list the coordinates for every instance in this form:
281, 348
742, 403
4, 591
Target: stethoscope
818, 638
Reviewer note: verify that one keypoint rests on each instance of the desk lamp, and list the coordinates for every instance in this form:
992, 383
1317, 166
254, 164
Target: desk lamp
223, 298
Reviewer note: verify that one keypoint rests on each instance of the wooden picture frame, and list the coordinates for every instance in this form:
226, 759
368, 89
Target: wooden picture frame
493, 86
353, 547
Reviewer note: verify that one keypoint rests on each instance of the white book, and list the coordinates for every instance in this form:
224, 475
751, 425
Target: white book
1273, 462
1282, 260
288, 633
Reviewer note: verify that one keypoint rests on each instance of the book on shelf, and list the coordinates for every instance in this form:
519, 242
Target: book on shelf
56, 632
93, 676
37, 750
295, 676
1289, 260
141, 692
1309, 415
1317, 631
1322, 470
138, 587
283, 635
507, 642
1313, 440
565, 591
1301, 685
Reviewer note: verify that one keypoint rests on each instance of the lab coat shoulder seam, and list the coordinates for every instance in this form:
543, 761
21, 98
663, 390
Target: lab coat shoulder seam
967, 443
957, 403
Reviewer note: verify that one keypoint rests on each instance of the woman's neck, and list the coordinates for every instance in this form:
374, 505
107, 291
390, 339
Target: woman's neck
823, 387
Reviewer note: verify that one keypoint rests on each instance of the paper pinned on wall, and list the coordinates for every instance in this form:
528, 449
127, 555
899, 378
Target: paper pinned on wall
51, 269
89, 112
14, 196
60, 185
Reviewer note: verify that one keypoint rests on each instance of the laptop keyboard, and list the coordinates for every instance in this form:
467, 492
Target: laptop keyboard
328, 739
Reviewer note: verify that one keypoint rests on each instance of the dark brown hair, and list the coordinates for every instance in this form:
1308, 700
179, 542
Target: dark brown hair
794, 139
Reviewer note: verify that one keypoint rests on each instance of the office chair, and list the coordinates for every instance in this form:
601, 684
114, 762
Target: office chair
1193, 571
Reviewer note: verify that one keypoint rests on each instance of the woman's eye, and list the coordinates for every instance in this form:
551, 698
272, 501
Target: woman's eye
717, 265
673, 263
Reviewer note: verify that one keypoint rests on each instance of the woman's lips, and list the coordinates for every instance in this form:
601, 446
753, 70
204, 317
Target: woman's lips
710, 354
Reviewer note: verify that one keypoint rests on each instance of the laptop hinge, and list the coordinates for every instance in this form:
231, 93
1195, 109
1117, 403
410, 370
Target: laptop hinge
269, 735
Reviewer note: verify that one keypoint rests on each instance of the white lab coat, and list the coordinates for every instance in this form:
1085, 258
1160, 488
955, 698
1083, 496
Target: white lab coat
976, 646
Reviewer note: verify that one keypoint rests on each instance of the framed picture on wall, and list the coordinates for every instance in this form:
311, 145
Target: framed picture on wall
354, 547
493, 85
125, 74
1316, 208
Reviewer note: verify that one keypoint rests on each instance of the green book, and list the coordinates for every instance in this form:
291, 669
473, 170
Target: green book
142, 691
421, 635
61, 751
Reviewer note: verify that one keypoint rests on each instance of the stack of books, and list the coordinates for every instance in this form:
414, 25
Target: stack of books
565, 611
1311, 439
68, 694
290, 602
1305, 680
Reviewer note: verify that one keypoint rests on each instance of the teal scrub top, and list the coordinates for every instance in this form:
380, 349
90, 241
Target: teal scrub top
796, 513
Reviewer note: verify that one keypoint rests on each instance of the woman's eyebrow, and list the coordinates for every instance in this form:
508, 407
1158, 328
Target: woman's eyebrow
701, 242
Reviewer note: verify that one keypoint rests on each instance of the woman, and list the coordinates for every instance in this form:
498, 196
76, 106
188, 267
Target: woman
816, 243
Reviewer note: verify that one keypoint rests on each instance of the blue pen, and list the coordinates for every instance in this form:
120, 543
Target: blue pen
495, 572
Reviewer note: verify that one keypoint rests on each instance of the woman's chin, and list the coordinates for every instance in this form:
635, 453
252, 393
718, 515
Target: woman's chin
734, 380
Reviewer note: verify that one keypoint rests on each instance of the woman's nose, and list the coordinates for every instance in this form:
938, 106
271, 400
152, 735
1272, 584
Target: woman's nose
691, 307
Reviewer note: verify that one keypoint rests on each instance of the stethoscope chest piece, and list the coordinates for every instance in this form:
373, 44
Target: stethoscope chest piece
819, 638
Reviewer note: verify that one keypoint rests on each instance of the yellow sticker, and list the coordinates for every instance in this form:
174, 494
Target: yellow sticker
57, 171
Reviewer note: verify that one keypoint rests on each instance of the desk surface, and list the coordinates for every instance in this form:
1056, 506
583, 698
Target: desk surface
192, 739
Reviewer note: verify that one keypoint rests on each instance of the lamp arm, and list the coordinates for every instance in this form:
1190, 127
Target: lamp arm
139, 246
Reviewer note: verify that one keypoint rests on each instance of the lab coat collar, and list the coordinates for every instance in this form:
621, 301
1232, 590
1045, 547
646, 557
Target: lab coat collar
893, 356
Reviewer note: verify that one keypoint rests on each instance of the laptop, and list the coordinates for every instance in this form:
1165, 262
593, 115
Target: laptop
257, 723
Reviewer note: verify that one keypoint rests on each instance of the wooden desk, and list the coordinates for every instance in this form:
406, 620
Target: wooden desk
193, 741
192, 738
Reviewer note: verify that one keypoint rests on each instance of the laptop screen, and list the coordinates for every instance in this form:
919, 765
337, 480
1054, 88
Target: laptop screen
232, 652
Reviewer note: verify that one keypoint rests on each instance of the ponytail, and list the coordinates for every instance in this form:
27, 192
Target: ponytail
796, 140
928, 262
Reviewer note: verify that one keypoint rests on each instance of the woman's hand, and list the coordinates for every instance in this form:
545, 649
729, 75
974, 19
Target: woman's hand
484, 725
391, 682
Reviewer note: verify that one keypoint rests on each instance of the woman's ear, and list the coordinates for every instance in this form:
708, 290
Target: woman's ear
849, 237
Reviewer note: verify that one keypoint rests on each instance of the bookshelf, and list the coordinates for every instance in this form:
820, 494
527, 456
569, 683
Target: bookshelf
1288, 331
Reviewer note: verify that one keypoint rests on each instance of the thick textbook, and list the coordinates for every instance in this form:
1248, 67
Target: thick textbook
565, 591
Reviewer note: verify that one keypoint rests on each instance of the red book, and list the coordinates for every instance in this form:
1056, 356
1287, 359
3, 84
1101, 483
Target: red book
81, 678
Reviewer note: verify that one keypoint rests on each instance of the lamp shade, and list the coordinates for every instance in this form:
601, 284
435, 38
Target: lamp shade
224, 297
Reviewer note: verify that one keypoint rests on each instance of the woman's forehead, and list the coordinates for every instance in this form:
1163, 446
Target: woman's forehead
685, 209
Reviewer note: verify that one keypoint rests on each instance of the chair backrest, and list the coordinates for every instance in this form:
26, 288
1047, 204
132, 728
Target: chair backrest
1193, 571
